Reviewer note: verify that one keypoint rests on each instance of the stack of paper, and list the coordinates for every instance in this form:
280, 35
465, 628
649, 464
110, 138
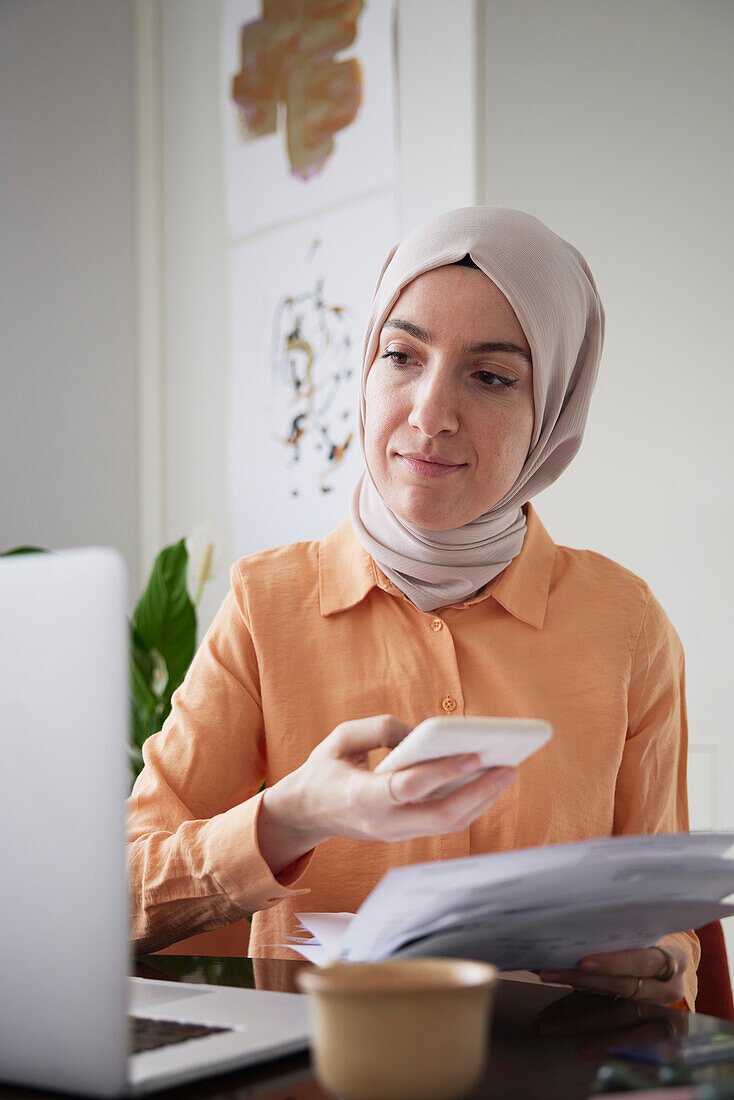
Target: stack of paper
536, 907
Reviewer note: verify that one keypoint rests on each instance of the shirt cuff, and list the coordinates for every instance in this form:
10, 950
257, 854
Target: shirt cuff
233, 855
689, 942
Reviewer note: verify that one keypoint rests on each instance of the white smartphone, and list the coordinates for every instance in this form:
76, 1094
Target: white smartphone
499, 742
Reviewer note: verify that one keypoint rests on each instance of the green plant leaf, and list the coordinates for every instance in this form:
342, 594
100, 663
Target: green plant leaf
136, 760
140, 652
23, 550
165, 619
144, 704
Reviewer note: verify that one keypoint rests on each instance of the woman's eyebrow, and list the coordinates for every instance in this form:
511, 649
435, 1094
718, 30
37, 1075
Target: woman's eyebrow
411, 329
485, 348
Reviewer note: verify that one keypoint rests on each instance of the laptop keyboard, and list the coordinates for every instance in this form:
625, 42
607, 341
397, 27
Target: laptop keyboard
147, 1034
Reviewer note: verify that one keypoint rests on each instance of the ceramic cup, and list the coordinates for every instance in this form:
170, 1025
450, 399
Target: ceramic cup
417, 1029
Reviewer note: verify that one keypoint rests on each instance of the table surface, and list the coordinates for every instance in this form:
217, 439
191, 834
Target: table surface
545, 1041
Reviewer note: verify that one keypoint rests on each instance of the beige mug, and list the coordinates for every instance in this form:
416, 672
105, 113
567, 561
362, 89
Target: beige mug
413, 1029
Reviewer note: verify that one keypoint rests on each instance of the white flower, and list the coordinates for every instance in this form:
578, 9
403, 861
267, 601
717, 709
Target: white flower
160, 672
204, 547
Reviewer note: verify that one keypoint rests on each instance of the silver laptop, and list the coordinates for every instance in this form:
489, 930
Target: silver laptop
66, 997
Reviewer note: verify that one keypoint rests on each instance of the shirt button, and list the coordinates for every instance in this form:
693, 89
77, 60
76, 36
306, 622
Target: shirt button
436, 624
449, 703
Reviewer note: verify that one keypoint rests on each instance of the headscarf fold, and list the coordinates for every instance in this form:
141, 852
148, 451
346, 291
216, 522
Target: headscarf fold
552, 291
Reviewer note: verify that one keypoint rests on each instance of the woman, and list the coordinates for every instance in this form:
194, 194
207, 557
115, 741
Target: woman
442, 594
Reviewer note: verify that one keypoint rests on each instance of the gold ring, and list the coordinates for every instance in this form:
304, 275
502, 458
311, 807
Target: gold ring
397, 801
637, 989
671, 966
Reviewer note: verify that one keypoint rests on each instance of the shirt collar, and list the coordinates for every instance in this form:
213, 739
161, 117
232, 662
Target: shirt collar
346, 571
523, 587
347, 574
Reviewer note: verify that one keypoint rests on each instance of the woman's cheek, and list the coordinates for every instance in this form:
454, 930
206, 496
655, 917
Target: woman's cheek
382, 415
504, 449
374, 432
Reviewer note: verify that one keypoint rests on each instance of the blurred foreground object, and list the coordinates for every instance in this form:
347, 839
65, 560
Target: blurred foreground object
413, 1028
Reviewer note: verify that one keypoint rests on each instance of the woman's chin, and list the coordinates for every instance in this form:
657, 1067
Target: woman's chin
429, 519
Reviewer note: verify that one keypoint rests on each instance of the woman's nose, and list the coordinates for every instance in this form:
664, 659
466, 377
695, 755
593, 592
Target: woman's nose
434, 408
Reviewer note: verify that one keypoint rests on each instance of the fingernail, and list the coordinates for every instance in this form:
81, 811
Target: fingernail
591, 965
470, 763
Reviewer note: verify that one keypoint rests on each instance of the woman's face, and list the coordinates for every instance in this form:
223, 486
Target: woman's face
449, 400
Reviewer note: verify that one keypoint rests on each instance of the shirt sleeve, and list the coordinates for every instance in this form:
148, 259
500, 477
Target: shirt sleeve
651, 792
193, 854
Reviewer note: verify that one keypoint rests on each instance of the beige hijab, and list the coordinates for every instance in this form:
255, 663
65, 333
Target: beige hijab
548, 284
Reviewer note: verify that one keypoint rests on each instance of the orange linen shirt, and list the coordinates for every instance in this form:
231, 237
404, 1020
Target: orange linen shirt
312, 635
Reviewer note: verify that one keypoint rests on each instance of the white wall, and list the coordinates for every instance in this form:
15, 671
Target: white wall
194, 264
68, 446
612, 123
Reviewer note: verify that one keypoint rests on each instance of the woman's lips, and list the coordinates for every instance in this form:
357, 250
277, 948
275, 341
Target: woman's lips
429, 467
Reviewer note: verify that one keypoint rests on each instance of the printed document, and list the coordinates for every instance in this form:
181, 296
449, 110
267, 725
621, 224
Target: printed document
537, 907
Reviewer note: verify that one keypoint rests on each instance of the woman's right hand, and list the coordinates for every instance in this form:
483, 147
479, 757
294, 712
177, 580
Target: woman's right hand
334, 793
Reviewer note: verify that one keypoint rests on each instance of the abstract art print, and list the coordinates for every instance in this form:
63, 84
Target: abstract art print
308, 106
312, 362
299, 299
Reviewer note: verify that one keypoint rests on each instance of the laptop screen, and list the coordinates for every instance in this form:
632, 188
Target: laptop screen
63, 921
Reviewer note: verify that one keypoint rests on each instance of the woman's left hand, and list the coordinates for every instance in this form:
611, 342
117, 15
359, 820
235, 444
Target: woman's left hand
628, 973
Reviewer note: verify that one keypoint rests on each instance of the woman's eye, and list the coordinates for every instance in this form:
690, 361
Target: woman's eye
401, 358
493, 381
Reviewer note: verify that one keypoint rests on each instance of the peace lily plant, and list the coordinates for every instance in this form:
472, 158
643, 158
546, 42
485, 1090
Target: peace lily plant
163, 630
